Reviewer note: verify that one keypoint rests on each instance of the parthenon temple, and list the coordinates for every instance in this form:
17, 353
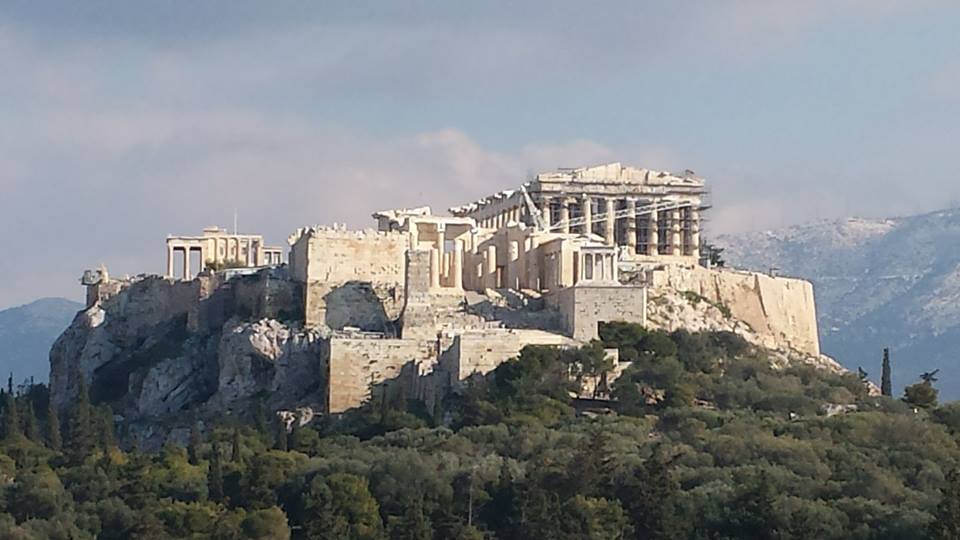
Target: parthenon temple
216, 247
643, 212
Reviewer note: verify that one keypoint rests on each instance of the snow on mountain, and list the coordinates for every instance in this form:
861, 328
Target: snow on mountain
878, 283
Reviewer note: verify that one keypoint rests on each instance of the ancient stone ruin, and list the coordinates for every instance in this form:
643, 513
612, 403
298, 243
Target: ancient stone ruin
422, 302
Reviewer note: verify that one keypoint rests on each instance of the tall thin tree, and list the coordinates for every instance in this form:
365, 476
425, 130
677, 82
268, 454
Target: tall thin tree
81, 435
886, 385
215, 476
54, 438
11, 420
235, 455
193, 444
30, 427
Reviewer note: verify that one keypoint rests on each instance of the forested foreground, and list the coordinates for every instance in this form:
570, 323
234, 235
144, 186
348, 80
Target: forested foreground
709, 442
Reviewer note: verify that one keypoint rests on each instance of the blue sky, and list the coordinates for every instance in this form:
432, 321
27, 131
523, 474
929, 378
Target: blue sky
121, 122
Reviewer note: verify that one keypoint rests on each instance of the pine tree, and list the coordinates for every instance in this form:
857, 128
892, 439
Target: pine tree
946, 523
215, 476
193, 445
30, 427
235, 455
886, 385
649, 498
413, 524
53, 427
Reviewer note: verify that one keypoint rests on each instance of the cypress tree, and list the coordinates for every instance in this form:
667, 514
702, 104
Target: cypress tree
280, 442
30, 427
260, 417
54, 439
105, 428
886, 386
193, 445
80, 429
295, 434
215, 476
11, 421
235, 456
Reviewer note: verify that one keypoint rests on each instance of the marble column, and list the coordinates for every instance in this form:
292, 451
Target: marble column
169, 260
609, 231
434, 268
439, 241
186, 263
565, 215
513, 265
587, 205
457, 265
631, 225
545, 211
695, 233
490, 271
653, 238
676, 242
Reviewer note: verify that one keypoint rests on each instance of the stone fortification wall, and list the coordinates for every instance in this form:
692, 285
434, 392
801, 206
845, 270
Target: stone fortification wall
357, 363
421, 368
267, 296
584, 307
349, 271
479, 352
339, 256
782, 311
419, 314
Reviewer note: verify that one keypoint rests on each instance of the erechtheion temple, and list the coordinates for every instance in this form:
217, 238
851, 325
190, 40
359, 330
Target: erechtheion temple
218, 248
429, 300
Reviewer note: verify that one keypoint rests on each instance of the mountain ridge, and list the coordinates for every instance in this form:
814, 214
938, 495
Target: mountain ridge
889, 282
28, 331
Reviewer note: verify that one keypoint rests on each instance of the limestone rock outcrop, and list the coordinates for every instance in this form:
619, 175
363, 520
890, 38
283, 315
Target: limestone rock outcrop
160, 347
670, 310
267, 357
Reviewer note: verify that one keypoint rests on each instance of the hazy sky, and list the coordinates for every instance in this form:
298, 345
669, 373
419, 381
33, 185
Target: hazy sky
123, 121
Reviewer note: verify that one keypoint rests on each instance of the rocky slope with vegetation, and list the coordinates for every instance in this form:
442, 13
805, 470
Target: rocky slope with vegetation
879, 283
707, 440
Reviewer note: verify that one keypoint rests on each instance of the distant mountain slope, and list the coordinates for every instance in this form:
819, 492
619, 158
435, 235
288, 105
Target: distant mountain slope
27, 333
889, 282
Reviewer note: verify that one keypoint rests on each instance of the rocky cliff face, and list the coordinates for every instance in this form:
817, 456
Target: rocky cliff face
161, 347
671, 310
878, 283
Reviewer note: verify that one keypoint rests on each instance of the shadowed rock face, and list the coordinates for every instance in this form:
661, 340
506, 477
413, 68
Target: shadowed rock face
879, 283
26, 334
154, 351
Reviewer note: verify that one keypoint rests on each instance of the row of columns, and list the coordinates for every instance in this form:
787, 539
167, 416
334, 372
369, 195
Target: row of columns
186, 250
598, 266
446, 268
500, 220
683, 233
246, 251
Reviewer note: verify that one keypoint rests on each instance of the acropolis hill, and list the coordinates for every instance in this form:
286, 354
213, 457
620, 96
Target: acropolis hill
419, 303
